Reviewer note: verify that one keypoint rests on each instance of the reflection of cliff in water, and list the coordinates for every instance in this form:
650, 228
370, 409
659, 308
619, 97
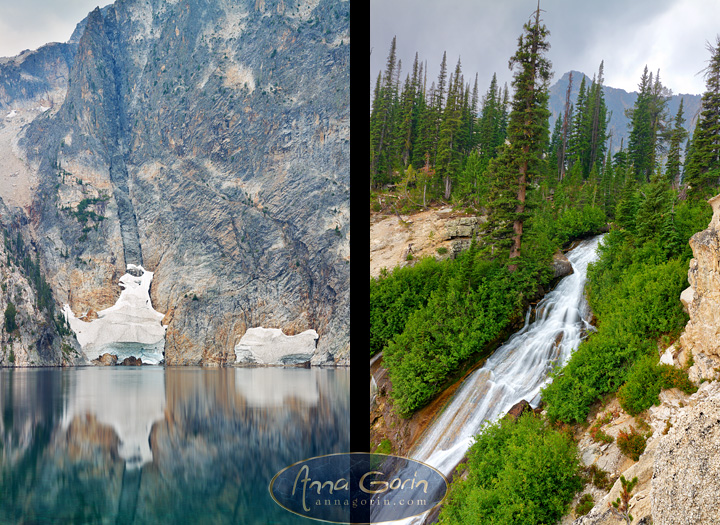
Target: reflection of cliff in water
221, 436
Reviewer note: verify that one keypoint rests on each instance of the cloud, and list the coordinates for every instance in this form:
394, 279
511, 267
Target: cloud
669, 35
32, 23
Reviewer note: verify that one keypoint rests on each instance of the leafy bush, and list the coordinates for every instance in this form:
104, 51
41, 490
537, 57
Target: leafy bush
385, 447
598, 435
633, 290
676, 378
631, 444
645, 381
599, 477
642, 388
394, 296
585, 505
519, 472
471, 310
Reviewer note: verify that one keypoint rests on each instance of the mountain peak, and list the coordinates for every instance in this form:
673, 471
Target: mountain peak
617, 101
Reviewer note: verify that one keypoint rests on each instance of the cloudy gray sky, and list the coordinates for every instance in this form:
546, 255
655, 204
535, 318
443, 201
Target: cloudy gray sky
669, 35
29, 24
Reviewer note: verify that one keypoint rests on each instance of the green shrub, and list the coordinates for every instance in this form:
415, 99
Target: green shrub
642, 388
442, 250
633, 290
599, 477
673, 377
645, 381
597, 434
473, 307
394, 296
10, 313
385, 447
585, 505
519, 472
631, 444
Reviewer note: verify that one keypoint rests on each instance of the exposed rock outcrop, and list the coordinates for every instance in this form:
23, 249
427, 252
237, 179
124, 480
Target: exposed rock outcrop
518, 409
208, 142
106, 360
702, 299
685, 486
562, 267
30, 77
29, 333
440, 233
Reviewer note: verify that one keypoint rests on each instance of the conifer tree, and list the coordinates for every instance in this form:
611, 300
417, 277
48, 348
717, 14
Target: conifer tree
654, 205
598, 128
491, 127
448, 156
703, 163
406, 120
678, 135
577, 140
565, 129
626, 209
519, 164
646, 117
381, 120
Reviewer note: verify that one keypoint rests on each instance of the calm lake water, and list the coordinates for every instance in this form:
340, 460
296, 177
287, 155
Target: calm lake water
153, 445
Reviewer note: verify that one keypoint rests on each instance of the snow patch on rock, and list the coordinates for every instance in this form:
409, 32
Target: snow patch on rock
131, 327
270, 346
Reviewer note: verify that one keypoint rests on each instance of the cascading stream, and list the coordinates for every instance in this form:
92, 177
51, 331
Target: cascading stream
517, 370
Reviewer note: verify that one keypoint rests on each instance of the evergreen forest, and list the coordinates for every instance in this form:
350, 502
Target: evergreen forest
494, 154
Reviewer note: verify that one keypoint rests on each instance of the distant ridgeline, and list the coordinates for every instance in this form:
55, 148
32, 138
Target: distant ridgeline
617, 101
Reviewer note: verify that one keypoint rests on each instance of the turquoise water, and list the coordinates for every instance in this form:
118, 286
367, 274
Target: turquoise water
161, 445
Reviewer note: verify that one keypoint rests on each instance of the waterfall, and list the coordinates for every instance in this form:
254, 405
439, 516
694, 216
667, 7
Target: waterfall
517, 370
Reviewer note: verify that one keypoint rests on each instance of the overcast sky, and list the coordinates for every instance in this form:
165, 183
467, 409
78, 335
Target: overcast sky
669, 35
29, 24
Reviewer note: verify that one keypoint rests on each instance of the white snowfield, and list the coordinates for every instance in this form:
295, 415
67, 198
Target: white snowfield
131, 327
270, 346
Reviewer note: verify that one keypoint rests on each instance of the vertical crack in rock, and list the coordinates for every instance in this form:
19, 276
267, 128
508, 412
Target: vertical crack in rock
126, 212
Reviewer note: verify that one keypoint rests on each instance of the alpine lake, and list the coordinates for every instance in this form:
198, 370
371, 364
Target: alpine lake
153, 444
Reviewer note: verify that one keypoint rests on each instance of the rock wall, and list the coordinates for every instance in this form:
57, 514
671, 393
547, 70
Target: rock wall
685, 486
208, 142
29, 336
402, 240
702, 299
33, 75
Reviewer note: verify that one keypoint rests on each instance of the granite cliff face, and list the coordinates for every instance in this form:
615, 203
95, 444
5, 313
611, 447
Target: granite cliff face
30, 335
208, 142
701, 337
35, 75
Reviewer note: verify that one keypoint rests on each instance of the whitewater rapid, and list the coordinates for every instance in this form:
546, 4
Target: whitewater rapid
517, 370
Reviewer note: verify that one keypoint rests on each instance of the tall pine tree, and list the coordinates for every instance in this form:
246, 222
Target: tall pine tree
677, 137
520, 162
702, 172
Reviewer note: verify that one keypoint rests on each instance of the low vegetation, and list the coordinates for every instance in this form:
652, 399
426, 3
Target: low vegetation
633, 290
519, 472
